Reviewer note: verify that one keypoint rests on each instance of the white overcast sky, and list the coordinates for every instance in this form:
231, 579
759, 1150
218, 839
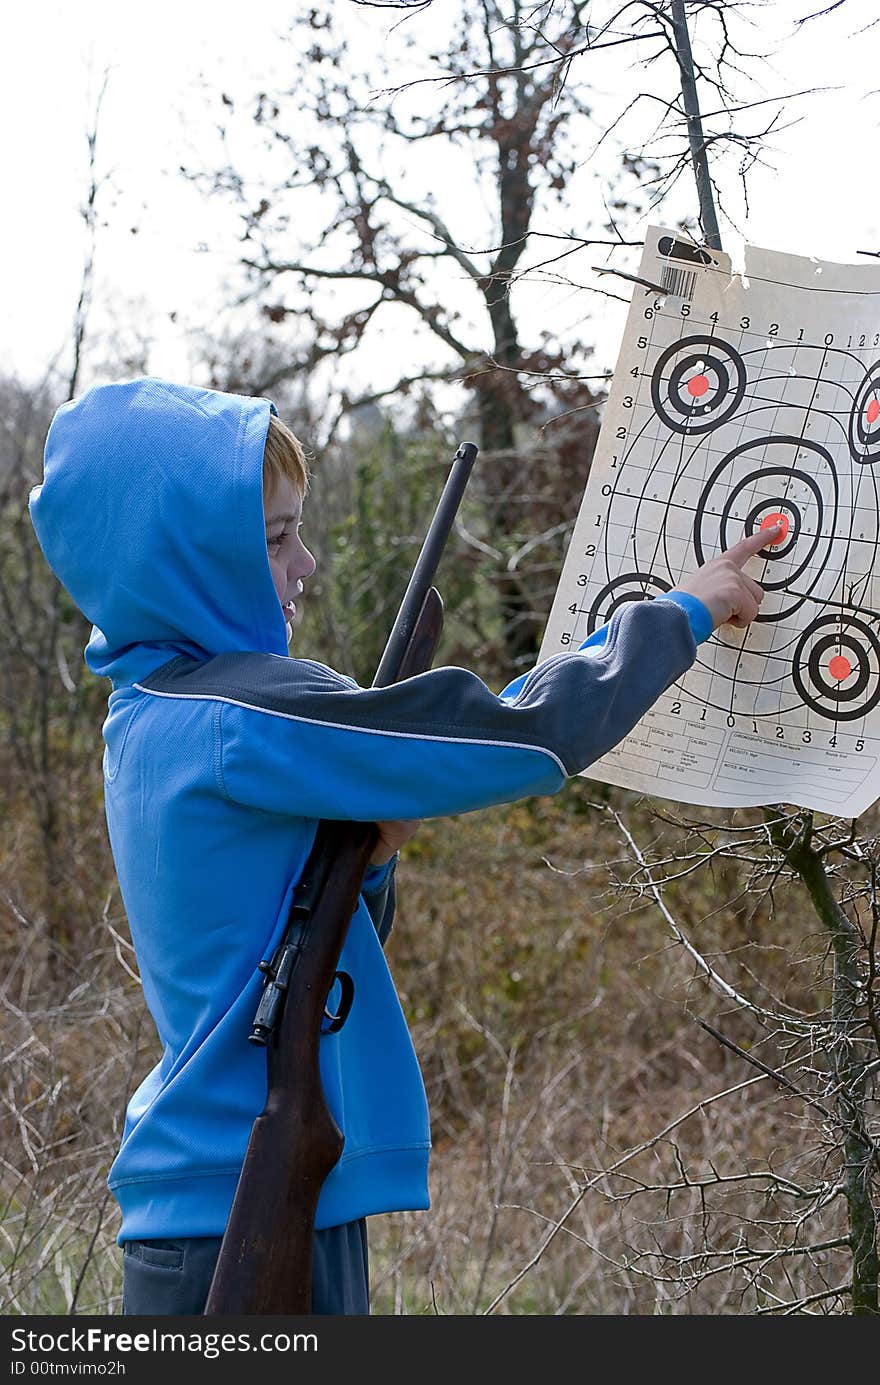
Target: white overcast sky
821, 199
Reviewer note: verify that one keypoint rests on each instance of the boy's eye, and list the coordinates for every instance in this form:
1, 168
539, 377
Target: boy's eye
274, 543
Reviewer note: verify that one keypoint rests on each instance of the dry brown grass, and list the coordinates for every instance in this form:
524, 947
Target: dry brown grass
555, 1028
554, 1024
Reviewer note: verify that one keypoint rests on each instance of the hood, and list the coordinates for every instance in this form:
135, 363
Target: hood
151, 515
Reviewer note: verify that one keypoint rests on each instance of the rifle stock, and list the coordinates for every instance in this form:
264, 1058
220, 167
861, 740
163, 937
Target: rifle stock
265, 1260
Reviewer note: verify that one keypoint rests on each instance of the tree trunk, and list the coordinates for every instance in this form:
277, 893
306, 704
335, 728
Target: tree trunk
848, 1066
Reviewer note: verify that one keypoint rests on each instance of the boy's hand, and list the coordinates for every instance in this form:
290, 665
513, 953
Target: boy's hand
392, 836
722, 586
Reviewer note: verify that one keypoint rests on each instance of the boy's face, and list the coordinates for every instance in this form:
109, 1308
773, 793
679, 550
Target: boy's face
289, 559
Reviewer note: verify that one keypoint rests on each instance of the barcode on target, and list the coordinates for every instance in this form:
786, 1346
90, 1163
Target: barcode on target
679, 282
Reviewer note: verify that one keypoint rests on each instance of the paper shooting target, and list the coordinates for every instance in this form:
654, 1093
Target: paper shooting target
836, 668
697, 384
743, 400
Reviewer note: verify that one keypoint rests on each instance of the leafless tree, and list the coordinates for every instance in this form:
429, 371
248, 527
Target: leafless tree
338, 247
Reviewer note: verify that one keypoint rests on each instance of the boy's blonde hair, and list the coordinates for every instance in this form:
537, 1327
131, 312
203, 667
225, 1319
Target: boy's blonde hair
284, 455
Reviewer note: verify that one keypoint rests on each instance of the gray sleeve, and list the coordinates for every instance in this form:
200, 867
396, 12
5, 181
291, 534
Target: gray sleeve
294, 737
382, 902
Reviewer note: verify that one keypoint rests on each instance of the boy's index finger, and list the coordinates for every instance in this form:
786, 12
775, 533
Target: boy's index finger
739, 553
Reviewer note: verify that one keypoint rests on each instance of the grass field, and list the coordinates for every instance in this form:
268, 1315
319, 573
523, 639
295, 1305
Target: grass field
555, 1022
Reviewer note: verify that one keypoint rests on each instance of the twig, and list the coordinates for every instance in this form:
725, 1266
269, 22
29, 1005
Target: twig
633, 278
712, 976
771, 1072
787, 1308
604, 1173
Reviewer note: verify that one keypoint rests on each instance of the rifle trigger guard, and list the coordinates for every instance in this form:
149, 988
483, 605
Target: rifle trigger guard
346, 999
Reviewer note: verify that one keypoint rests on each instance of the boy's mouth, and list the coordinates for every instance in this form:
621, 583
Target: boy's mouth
289, 610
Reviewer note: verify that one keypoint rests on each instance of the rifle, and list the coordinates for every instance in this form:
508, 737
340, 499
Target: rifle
265, 1260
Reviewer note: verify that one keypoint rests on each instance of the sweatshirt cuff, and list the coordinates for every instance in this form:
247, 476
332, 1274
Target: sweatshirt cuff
377, 876
697, 613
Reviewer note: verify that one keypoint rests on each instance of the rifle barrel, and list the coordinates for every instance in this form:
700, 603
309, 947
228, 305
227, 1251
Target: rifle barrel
426, 565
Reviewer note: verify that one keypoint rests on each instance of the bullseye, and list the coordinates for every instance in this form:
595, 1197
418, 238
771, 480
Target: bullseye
749, 489
770, 522
872, 413
838, 673
698, 385
839, 667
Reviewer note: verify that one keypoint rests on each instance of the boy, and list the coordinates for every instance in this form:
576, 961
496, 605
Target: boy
171, 514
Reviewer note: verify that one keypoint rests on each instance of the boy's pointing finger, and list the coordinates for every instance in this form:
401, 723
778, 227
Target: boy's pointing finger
739, 553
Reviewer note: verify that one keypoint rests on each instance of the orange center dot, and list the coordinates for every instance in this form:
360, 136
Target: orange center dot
839, 667
769, 521
698, 385
872, 413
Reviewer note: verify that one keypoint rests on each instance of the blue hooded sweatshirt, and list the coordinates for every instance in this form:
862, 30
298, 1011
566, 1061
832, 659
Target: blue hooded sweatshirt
221, 755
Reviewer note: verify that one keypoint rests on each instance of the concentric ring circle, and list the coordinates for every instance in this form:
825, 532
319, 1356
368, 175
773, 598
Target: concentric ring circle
733, 528
629, 586
744, 485
864, 420
722, 375
847, 699
777, 504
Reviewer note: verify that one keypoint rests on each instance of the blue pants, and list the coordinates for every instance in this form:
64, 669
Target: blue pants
174, 1277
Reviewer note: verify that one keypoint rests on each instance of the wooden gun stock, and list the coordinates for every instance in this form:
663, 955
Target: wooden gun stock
265, 1261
